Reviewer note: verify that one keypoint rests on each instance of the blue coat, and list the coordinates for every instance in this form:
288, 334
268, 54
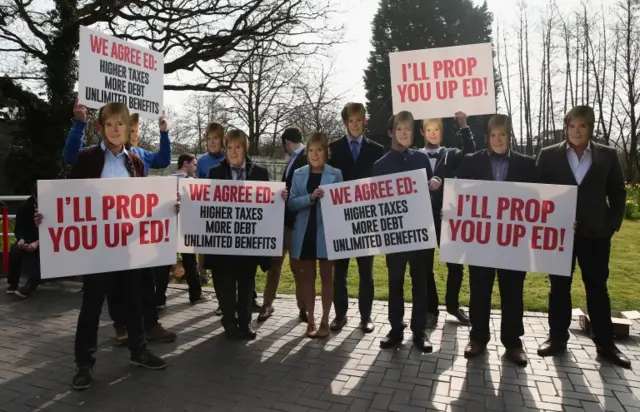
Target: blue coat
300, 202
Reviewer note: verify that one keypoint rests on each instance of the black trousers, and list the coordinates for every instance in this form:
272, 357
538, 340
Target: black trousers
117, 301
234, 285
19, 256
191, 275
365, 292
454, 282
397, 266
511, 284
128, 283
593, 257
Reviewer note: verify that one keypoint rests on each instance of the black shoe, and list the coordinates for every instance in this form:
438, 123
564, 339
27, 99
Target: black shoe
255, 307
148, 360
12, 289
613, 355
303, 316
338, 323
551, 348
432, 321
461, 315
421, 342
246, 333
392, 339
83, 378
218, 311
366, 325
24, 291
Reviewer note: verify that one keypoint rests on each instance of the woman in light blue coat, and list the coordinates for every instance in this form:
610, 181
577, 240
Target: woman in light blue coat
308, 244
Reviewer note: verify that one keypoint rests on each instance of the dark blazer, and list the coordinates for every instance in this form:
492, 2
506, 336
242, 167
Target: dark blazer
223, 172
298, 162
90, 162
25, 227
603, 182
477, 166
450, 161
341, 158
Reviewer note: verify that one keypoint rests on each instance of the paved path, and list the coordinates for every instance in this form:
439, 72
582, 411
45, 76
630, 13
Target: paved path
283, 371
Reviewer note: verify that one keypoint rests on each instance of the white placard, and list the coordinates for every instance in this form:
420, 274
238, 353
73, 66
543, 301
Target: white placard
105, 225
506, 225
433, 83
227, 217
113, 70
378, 215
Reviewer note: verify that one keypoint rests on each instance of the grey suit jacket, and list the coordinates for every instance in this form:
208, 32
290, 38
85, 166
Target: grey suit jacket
601, 194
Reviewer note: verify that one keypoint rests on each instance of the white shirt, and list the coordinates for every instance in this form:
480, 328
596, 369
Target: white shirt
294, 155
432, 162
579, 166
234, 175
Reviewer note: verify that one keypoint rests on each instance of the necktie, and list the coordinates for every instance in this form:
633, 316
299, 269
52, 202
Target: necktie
433, 155
354, 149
239, 173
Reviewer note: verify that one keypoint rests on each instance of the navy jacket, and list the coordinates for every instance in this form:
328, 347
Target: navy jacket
396, 162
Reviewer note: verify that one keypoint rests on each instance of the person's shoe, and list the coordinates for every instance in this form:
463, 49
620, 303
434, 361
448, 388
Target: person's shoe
311, 332
613, 355
323, 330
302, 315
12, 289
517, 356
24, 291
256, 306
338, 323
366, 325
551, 348
422, 343
265, 313
200, 299
121, 337
392, 339
473, 349
432, 321
160, 334
461, 315
246, 333
218, 311
148, 360
83, 378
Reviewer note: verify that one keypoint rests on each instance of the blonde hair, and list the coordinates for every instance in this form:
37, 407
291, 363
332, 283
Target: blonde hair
427, 122
114, 109
584, 113
353, 109
238, 136
403, 117
319, 139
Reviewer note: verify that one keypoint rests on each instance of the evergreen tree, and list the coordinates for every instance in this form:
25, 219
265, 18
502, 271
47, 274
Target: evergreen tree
401, 25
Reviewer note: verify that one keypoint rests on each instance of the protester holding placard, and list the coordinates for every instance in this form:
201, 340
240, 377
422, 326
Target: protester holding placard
109, 160
596, 170
498, 163
233, 275
308, 245
152, 160
292, 146
187, 165
402, 158
445, 162
354, 155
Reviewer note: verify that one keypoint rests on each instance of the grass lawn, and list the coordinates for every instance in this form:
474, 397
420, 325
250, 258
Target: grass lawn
624, 278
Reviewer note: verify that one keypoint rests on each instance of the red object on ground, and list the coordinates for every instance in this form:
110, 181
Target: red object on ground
5, 240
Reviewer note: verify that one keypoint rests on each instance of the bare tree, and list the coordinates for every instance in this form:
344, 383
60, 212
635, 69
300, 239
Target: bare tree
525, 77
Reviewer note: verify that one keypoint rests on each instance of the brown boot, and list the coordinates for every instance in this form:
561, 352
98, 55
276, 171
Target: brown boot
160, 334
517, 356
473, 349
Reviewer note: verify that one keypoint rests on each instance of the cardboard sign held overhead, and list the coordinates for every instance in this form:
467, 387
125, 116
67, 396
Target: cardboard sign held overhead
113, 70
436, 83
